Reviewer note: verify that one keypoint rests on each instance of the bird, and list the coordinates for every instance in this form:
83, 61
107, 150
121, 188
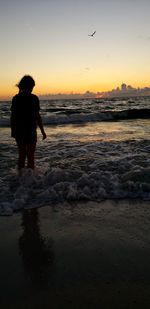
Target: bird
92, 34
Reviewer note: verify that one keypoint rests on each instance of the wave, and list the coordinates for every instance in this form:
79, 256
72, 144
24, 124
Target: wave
82, 117
84, 172
60, 186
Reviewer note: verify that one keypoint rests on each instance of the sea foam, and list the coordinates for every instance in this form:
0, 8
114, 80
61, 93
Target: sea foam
92, 174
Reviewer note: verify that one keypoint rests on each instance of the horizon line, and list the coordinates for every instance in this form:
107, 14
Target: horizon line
123, 89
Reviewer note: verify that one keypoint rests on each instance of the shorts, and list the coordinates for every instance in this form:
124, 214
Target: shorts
26, 137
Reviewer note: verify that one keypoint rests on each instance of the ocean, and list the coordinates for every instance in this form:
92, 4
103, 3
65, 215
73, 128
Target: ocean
96, 149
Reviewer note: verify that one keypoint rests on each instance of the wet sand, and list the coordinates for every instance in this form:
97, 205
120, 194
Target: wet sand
90, 255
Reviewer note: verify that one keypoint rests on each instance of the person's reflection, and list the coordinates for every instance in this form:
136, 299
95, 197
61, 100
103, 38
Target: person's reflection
36, 253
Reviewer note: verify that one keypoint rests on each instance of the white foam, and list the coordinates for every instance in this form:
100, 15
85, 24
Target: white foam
70, 170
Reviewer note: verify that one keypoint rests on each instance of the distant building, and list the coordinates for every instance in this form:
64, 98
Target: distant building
123, 87
122, 91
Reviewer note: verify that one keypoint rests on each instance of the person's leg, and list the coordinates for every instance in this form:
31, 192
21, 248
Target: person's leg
22, 155
30, 155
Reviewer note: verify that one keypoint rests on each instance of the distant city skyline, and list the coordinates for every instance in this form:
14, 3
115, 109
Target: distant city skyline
123, 90
50, 41
128, 90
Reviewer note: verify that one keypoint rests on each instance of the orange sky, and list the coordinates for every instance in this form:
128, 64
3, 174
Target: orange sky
49, 40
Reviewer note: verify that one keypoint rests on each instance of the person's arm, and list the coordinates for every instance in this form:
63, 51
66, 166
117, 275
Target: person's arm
40, 124
13, 127
13, 121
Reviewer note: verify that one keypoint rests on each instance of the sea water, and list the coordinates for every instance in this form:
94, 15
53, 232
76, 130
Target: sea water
95, 149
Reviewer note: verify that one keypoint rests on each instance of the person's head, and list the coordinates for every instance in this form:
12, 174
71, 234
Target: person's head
26, 84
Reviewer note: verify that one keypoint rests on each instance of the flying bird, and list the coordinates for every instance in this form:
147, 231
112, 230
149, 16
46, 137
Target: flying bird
92, 34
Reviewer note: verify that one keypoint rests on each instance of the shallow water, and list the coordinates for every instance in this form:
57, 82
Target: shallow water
89, 162
101, 131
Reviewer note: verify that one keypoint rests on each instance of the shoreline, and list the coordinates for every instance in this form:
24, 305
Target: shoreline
83, 255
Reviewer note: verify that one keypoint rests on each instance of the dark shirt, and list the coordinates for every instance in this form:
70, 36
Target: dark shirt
24, 110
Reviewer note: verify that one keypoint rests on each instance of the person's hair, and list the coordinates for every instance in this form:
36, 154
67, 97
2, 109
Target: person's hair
26, 83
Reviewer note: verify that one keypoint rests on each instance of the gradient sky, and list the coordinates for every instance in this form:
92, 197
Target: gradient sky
49, 40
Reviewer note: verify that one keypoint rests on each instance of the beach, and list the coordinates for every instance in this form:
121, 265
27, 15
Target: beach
83, 255
75, 155
74, 233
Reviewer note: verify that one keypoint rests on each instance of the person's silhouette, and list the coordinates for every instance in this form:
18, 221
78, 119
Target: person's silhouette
24, 120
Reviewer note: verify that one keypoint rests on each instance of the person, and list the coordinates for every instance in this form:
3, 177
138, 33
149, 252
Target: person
25, 118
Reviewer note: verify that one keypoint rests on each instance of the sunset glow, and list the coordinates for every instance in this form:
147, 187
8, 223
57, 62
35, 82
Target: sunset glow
49, 40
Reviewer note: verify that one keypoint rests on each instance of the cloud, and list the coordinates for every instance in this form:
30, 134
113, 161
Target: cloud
140, 37
29, 27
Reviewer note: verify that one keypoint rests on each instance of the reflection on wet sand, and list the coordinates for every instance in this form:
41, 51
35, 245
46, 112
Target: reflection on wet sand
36, 251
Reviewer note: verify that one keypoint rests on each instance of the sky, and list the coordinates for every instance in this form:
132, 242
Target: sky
48, 39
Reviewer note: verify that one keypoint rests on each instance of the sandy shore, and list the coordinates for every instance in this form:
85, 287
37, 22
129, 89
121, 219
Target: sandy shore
76, 256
